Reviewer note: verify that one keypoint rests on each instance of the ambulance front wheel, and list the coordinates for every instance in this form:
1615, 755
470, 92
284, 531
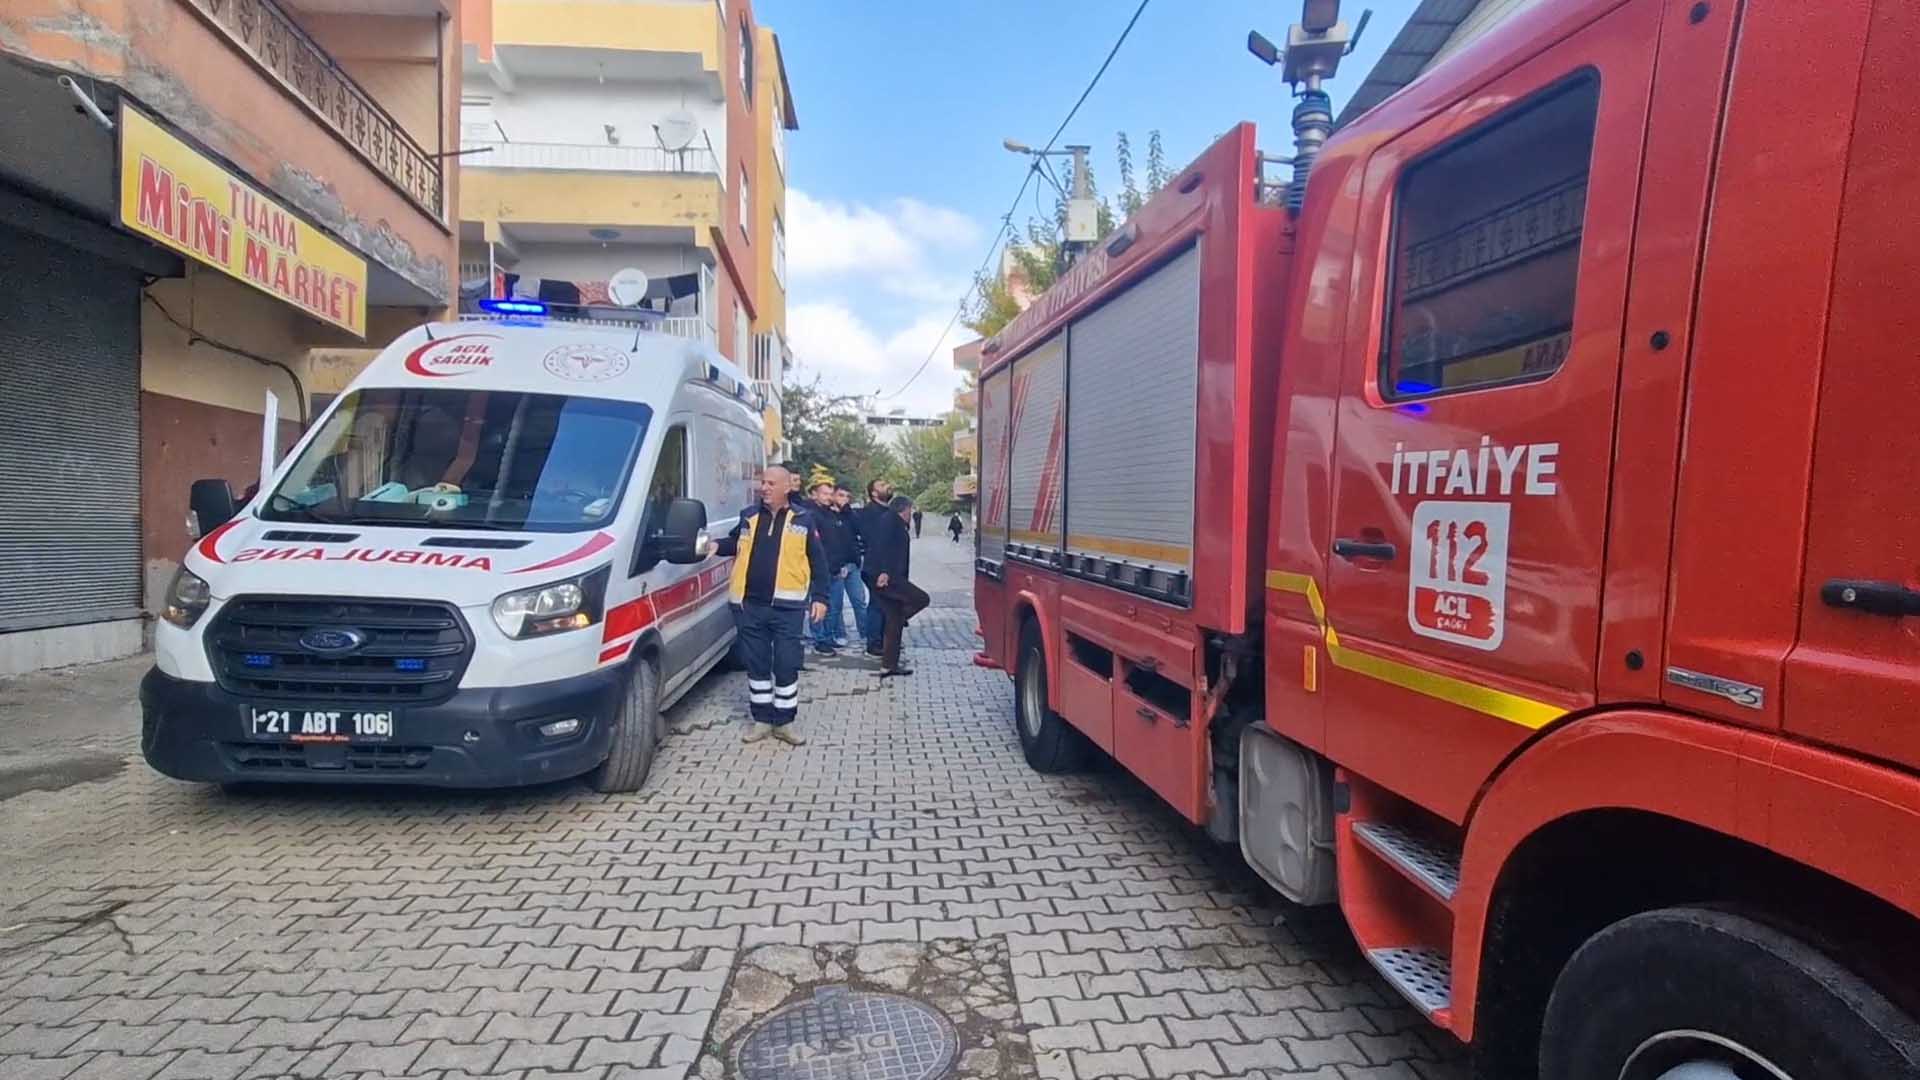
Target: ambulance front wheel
1050, 743
636, 734
1700, 994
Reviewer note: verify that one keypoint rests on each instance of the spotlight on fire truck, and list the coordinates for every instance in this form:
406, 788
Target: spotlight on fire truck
1315, 46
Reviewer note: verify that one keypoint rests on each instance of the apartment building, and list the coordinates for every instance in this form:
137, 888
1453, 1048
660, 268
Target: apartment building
201, 202
602, 136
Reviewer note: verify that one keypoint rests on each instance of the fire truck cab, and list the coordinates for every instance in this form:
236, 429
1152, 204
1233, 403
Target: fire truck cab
1545, 594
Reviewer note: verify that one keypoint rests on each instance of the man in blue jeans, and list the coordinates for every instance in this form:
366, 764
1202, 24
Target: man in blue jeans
833, 524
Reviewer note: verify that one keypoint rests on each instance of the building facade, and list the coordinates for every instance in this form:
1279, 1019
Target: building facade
1436, 30
201, 202
599, 136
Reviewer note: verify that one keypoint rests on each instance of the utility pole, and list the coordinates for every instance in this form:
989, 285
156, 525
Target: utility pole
1083, 213
1083, 210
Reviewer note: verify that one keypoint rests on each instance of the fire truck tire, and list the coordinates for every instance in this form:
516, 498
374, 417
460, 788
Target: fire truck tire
636, 734
1050, 743
1699, 994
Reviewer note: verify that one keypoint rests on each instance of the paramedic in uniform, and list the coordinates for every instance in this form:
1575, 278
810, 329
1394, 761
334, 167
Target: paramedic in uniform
779, 581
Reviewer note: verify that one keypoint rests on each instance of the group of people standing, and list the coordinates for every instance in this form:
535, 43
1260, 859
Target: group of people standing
802, 559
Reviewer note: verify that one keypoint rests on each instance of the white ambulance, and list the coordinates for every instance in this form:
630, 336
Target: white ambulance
482, 566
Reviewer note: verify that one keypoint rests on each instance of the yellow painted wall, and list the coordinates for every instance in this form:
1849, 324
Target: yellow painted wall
610, 24
553, 196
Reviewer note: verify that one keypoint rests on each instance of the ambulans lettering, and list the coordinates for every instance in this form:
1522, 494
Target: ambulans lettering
402, 557
1490, 469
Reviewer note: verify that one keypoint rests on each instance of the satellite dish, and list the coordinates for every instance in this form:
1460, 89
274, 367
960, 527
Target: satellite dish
627, 287
677, 131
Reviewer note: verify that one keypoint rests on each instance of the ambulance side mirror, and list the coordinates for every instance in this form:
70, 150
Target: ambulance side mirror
682, 538
211, 505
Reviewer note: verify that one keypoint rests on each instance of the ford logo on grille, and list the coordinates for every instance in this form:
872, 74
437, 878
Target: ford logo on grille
332, 641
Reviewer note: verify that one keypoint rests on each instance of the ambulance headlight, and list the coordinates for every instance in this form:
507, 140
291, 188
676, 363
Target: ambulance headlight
554, 608
187, 599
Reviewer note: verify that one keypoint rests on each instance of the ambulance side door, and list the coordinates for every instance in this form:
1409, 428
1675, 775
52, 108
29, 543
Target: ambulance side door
1474, 433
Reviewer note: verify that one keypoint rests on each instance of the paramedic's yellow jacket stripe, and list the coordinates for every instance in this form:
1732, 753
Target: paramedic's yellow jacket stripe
1512, 708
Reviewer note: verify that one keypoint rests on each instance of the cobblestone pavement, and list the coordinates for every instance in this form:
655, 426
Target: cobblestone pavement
1065, 926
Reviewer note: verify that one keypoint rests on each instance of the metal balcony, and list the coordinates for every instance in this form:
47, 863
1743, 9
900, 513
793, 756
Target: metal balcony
579, 157
277, 45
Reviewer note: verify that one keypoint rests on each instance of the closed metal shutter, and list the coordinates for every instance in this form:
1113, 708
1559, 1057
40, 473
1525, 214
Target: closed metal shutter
1133, 369
1035, 456
69, 437
990, 533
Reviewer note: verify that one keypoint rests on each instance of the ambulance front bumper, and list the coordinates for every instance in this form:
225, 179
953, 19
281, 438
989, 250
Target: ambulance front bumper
476, 738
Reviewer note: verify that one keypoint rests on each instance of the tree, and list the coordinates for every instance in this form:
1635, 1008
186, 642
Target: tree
827, 435
1039, 259
928, 464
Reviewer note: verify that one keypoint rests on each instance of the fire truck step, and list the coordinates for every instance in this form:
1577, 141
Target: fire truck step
1423, 976
1432, 865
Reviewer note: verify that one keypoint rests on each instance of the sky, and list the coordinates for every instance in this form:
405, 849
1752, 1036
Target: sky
897, 179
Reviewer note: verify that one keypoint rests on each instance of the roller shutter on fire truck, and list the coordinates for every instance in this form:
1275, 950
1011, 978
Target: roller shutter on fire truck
1132, 370
991, 531
1036, 427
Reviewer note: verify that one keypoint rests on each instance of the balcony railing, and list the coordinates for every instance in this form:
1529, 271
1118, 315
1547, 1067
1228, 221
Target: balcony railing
586, 157
274, 42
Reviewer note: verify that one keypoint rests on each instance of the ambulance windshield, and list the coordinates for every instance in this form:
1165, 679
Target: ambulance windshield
475, 459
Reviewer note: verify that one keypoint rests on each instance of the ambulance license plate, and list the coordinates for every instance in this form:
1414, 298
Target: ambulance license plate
321, 725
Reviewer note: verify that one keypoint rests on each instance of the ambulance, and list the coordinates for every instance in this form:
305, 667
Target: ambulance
483, 566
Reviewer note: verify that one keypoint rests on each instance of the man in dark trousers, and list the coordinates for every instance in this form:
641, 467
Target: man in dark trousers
834, 526
779, 580
872, 514
954, 526
916, 523
889, 553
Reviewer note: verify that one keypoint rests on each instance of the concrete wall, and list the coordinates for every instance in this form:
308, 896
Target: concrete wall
170, 59
556, 111
393, 59
597, 262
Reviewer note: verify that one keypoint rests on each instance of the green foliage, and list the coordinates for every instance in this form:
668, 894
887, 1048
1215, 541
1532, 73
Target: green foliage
828, 437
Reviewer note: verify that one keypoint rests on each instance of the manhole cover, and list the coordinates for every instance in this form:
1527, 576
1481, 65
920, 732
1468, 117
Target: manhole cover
843, 1034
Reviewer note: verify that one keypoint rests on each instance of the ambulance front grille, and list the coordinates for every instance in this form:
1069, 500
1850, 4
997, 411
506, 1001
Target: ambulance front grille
413, 652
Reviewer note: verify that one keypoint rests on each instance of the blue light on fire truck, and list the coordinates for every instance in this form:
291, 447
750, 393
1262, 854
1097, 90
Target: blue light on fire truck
513, 307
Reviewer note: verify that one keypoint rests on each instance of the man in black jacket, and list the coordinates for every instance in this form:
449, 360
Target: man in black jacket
872, 515
889, 555
834, 525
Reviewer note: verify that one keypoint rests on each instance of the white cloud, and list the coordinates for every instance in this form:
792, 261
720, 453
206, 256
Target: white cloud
831, 339
873, 288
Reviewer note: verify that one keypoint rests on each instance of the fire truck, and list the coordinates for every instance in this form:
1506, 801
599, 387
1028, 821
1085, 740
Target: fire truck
1506, 529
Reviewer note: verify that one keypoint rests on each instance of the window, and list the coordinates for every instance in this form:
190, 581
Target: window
742, 338
746, 207
746, 60
464, 459
1486, 251
669, 483
476, 121
779, 251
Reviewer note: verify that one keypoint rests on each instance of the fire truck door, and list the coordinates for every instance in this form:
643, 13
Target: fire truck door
1854, 676
1474, 435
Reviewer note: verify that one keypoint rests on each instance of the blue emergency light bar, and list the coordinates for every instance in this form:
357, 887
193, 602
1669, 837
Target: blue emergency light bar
513, 307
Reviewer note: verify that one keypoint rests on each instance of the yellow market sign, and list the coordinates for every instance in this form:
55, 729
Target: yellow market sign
175, 196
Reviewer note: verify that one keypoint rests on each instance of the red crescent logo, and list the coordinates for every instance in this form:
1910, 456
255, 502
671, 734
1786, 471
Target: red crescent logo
209, 546
416, 360
600, 542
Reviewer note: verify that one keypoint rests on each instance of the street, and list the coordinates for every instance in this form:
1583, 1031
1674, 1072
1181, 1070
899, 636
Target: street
1059, 927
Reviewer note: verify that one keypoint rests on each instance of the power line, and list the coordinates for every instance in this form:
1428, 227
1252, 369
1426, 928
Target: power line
1006, 220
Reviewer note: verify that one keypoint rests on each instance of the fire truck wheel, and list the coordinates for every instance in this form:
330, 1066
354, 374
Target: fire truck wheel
1697, 994
636, 734
1051, 744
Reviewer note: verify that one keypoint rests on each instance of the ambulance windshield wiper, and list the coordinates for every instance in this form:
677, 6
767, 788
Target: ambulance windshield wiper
280, 504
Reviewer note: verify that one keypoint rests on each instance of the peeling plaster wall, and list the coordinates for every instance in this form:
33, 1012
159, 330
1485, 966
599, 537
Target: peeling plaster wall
167, 58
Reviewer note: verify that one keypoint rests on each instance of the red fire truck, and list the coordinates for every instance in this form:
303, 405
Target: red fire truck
1515, 540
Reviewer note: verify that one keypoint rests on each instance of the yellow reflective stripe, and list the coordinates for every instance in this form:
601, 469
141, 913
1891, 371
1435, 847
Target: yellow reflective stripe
1512, 708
